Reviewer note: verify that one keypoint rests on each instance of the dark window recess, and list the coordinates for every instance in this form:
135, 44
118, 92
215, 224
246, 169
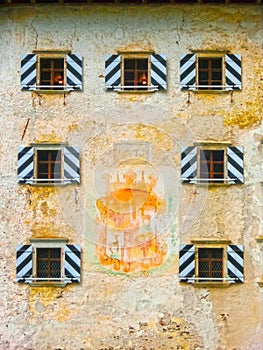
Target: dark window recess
48, 263
212, 165
210, 73
49, 165
51, 73
210, 263
135, 73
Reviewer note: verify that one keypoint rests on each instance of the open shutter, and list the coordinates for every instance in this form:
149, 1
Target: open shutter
158, 71
24, 263
235, 262
74, 71
233, 71
187, 71
188, 163
112, 72
186, 262
235, 164
72, 262
25, 169
28, 77
71, 165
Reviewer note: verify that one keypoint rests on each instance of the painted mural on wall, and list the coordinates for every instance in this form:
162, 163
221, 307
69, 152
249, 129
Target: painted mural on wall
128, 223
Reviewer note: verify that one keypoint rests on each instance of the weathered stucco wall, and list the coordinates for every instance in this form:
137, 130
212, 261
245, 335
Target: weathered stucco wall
149, 309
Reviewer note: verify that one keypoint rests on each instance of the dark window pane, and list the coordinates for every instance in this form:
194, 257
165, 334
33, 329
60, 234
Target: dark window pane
142, 64
218, 155
129, 64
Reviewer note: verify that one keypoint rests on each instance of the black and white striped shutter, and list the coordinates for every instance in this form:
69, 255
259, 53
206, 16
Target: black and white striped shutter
186, 262
72, 262
112, 72
25, 170
235, 164
235, 263
71, 165
187, 71
24, 262
28, 77
233, 71
188, 163
74, 71
158, 71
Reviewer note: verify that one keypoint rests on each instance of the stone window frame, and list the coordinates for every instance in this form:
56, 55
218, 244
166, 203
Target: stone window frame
260, 252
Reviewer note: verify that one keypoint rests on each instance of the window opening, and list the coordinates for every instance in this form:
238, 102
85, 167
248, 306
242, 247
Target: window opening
49, 165
52, 73
135, 73
212, 165
210, 263
210, 73
48, 263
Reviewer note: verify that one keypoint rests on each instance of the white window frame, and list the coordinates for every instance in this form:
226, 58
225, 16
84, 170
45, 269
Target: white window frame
48, 243
55, 89
38, 147
210, 147
211, 88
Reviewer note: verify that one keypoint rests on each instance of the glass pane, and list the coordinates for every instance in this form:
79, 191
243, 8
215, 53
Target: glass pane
203, 253
42, 155
218, 168
55, 253
129, 64
142, 64
203, 63
218, 155
42, 253
217, 253
45, 63
59, 63
217, 63
217, 76
203, 76
56, 155
129, 76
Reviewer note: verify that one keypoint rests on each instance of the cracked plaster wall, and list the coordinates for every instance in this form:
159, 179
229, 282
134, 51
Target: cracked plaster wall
107, 310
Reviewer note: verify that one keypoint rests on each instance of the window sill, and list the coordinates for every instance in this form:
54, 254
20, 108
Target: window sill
48, 284
211, 284
196, 91
52, 92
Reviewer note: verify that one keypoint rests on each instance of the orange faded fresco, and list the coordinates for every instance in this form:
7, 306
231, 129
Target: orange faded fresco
128, 240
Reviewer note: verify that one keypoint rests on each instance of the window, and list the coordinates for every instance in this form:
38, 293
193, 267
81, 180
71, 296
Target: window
210, 263
48, 164
48, 261
210, 73
51, 72
215, 71
136, 72
213, 261
212, 164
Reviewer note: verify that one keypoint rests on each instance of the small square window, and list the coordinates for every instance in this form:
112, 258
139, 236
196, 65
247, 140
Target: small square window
48, 263
210, 73
210, 263
211, 166
135, 73
51, 73
49, 165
